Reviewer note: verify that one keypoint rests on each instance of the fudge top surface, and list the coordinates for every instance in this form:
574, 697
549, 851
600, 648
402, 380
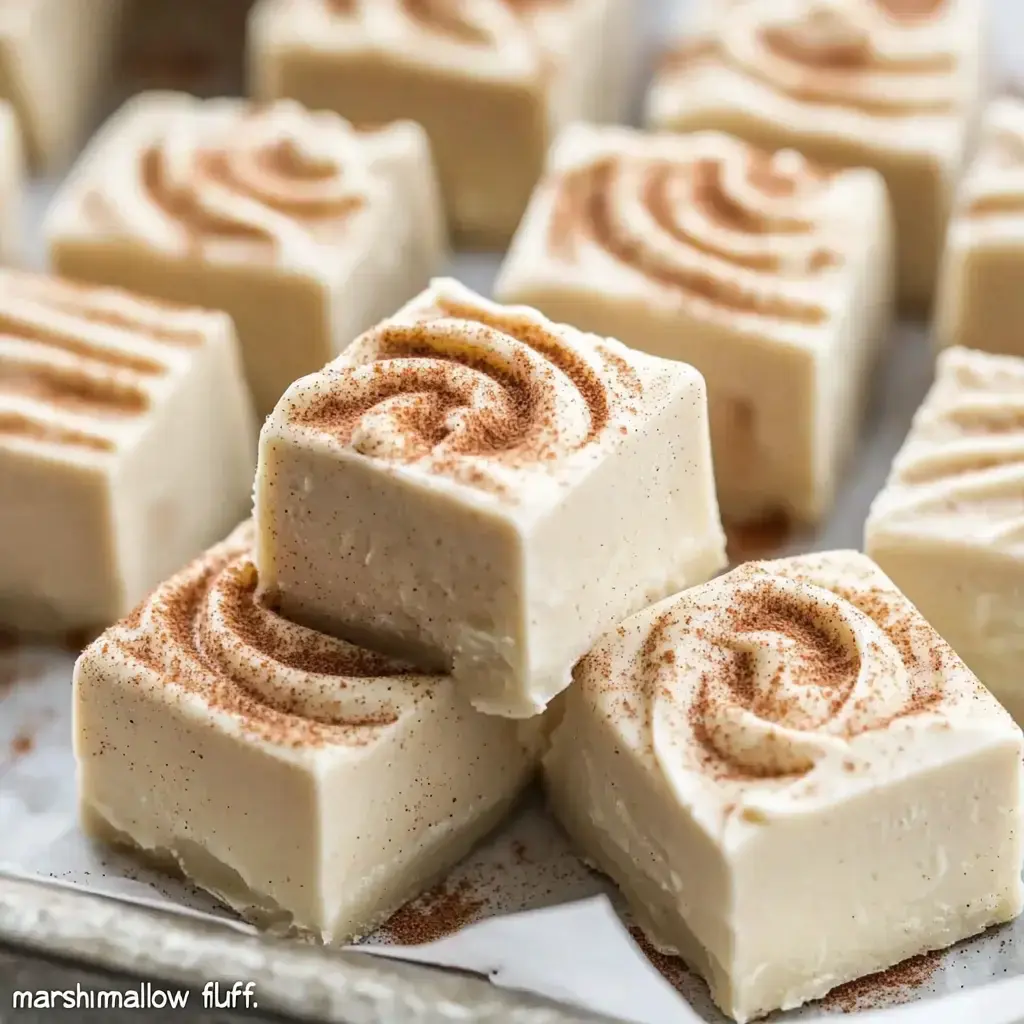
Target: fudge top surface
786, 686
82, 368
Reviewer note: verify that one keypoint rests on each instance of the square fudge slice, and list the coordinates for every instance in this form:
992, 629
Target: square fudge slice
303, 781
980, 301
476, 488
305, 230
777, 768
490, 80
886, 85
948, 526
767, 273
55, 66
127, 445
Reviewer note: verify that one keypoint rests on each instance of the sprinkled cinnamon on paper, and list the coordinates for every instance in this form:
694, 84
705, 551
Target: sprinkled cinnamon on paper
887, 988
439, 912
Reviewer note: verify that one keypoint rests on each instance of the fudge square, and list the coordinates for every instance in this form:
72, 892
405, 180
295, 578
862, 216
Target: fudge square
490, 80
127, 445
476, 488
768, 274
204, 719
303, 229
886, 84
778, 769
948, 526
980, 300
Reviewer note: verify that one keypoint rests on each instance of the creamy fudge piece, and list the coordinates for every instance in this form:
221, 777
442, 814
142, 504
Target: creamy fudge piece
881, 84
948, 526
12, 185
480, 490
55, 58
769, 275
304, 229
980, 301
793, 779
303, 781
490, 80
127, 445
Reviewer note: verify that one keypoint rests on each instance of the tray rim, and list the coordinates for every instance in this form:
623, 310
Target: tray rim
52, 921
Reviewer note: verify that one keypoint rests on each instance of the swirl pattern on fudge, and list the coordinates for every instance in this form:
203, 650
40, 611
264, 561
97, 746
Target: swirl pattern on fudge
994, 184
964, 460
871, 58
472, 22
471, 391
78, 364
271, 177
758, 675
207, 631
690, 223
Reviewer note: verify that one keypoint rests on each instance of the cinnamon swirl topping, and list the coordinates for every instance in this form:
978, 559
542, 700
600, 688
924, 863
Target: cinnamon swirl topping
469, 390
963, 464
206, 632
767, 674
724, 225
882, 59
77, 361
213, 176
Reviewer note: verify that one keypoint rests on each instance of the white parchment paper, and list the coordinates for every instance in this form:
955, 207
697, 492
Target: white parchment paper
543, 922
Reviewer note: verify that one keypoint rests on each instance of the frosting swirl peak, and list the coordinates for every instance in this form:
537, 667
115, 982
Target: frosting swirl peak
468, 389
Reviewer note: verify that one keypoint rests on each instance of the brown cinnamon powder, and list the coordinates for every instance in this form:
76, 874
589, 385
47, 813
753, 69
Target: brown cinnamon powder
886, 988
439, 912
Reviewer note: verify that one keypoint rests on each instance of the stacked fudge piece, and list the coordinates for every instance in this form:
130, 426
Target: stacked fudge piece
466, 499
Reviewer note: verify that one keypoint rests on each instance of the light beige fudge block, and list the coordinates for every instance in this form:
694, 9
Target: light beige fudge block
479, 489
127, 444
885, 85
12, 185
55, 64
948, 526
981, 302
769, 275
303, 229
793, 779
303, 781
491, 81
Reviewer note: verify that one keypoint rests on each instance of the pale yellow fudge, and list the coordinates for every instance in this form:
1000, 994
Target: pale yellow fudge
305, 782
770, 275
476, 488
793, 779
127, 445
872, 83
490, 80
305, 230
981, 301
948, 526
12, 185
56, 58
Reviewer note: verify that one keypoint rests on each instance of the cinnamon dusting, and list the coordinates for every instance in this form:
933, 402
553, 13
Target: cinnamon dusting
588, 210
439, 912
